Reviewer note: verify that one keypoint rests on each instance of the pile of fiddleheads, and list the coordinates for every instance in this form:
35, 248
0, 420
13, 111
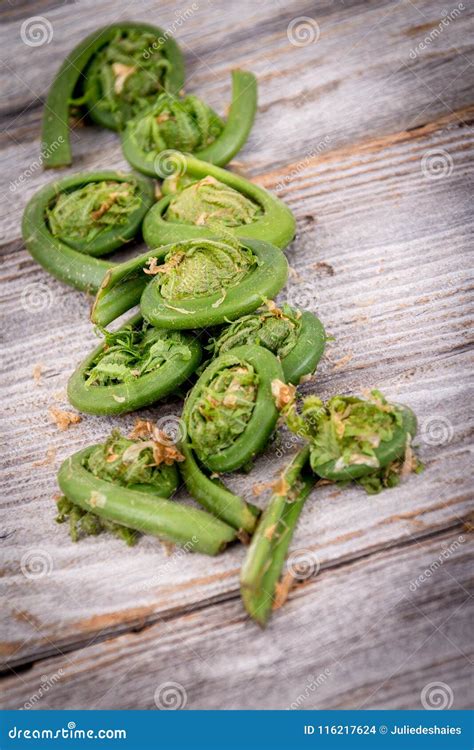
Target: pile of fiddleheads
208, 323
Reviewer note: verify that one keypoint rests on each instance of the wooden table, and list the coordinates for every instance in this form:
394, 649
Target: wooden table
365, 129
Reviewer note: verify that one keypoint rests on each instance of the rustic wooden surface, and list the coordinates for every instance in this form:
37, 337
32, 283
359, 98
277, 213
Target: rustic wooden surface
368, 137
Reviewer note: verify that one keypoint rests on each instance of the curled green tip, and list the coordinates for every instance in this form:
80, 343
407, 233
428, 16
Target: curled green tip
350, 438
128, 482
198, 196
111, 75
187, 124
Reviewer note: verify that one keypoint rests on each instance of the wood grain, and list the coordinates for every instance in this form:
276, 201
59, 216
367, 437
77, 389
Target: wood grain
356, 636
372, 150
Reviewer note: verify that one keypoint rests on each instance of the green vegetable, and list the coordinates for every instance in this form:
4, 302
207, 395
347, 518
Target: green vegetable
112, 74
231, 411
195, 203
207, 282
355, 439
210, 199
142, 465
368, 441
214, 496
70, 221
85, 218
296, 338
188, 124
84, 523
135, 366
227, 279
269, 546
130, 490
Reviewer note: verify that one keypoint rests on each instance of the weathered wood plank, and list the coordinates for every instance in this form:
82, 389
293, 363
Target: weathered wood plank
350, 132
363, 53
362, 635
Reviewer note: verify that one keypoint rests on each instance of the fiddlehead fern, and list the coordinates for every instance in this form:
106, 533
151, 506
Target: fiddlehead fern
85, 217
135, 366
356, 439
209, 198
187, 124
200, 195
229, 416
296, 338
365, 440
112, 74
69, 222
200, 283
231, 411
206, 282
268, 549
127, 482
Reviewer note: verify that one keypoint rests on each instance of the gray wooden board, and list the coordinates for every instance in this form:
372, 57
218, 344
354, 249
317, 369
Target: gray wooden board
355, 636
369, 139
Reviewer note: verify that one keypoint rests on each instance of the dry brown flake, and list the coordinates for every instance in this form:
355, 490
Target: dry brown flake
268, 534
282, 589
121, 73
283, 393
168, 547
63, 419
340, 363
154, 267
261, 487
105, 206
281, 486
164, 450
37, 372
48, 459
323, 268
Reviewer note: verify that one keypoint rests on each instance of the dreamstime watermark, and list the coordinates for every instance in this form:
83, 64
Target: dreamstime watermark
303, 564
290, 441
300, 294
172, 430
436, 430
180, 18
169, 163
303, 164
36, 297
36, 31
47, 683
436, 164
35, 165
437, 696
452, 15
36, 564
302, 31
71, 732
312, 685
448, 550
170, 696
170, 563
